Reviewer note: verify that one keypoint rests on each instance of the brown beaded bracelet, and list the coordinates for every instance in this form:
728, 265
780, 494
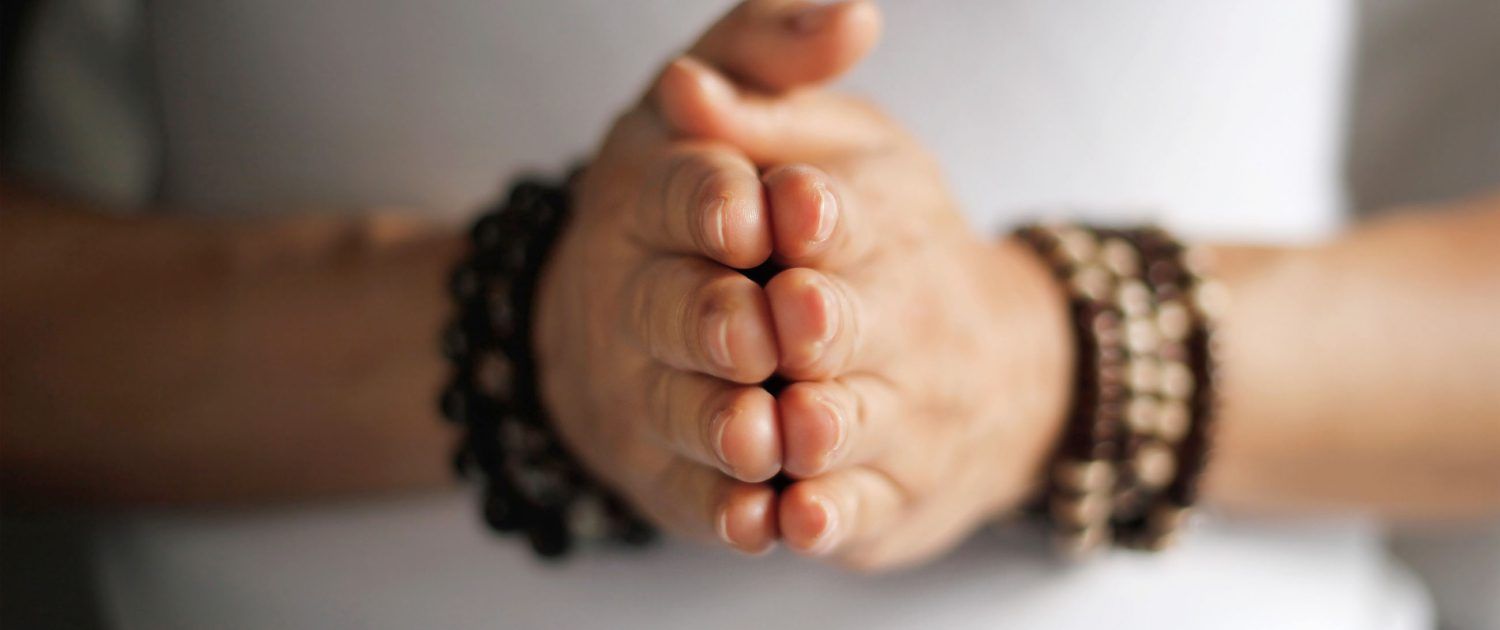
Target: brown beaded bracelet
1136, 437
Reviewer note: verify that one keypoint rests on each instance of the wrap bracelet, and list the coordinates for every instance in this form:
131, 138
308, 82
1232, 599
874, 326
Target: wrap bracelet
1137, 434
532, 485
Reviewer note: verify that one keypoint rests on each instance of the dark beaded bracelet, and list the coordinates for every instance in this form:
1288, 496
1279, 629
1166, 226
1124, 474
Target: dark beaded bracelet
1136, 438
532, 486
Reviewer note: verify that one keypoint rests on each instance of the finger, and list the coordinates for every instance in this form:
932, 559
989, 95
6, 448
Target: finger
833, 514
697, 101
730, 427
697, 502
813, 225
692, 314
777, 45
834, 424
708, 201
818, 321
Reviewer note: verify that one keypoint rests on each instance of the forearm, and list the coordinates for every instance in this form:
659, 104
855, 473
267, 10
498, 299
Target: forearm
169, 360
1363, 373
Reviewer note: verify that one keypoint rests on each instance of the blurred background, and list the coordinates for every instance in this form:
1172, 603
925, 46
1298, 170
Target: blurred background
107, 98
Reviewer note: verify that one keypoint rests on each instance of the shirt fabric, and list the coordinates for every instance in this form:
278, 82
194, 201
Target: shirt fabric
1226, 120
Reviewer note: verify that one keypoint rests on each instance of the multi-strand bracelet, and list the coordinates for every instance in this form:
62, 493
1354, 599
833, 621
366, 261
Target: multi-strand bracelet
1137, 435
531, 484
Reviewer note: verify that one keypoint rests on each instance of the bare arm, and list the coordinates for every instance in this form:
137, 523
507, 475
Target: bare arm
162, 359
1365, 373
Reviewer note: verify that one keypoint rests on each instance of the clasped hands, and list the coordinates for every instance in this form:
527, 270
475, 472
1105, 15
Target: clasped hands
928, 366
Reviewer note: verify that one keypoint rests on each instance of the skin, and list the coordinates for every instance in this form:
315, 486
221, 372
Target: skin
186, 385
930, 366
148, 360
651, 345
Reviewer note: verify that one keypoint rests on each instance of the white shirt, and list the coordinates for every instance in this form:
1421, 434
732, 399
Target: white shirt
1223, 119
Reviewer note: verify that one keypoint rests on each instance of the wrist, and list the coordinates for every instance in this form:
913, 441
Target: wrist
1030, 307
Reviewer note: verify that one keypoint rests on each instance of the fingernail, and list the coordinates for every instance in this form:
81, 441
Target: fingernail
828, 215
717, 339
720, 424
764, 549
831, 412
811, 18
723, 526
713, 225
713, 84
824, 294
824, 539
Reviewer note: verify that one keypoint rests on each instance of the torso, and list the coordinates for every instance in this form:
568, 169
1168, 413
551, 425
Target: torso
1216, 120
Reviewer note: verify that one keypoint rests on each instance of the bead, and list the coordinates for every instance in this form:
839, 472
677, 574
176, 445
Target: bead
1082, 510
1153, 465
1077, 245
501, 312
1173, 351
486, 450
1198, 261
1211, 298
1144, 375
1134, 298
514, 257
500, 511
1176, 380
1112, 375
455, 342
549, 535
487, 232
1107, 327
587, 519
1173, 320
1129, 503
1172, 420
636, 532
1092, 281
493, 374
1140, 335
1163, 273
1141, 414
1081, 543
1120, 257
464, 283
1084, 475
515, 436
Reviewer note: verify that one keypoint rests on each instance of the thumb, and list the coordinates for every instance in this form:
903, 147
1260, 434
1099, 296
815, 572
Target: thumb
777, 45
696, 101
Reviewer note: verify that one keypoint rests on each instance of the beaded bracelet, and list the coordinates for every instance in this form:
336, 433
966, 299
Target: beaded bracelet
1137, 434
532, 485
